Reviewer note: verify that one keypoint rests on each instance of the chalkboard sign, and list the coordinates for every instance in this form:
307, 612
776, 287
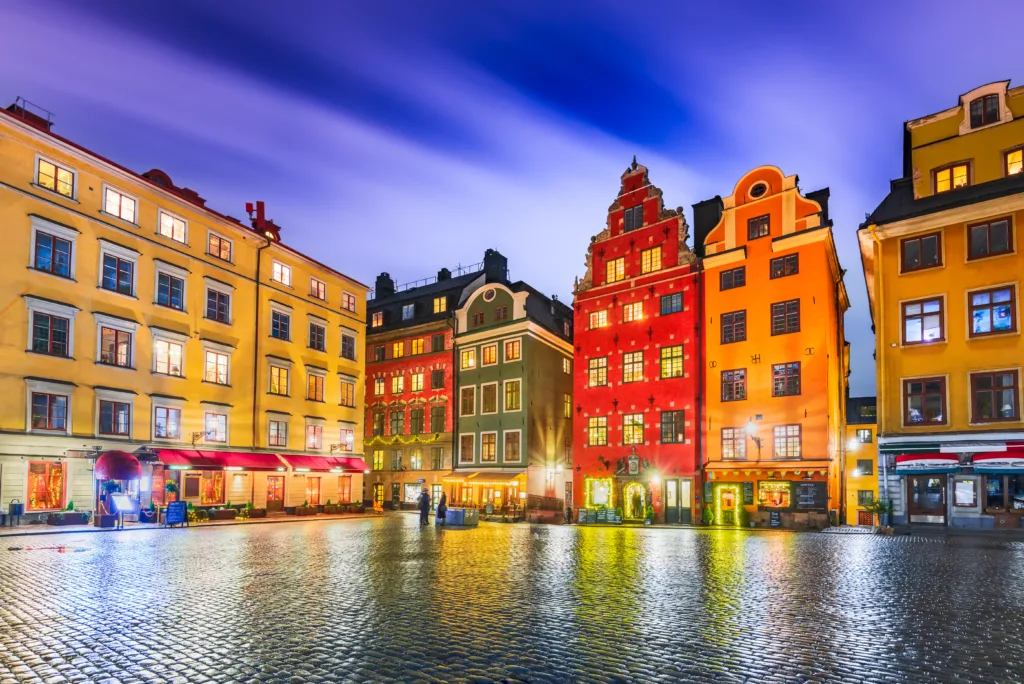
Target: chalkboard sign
489, 508
708, 487
812, 495
591, 517
774, 518
748, 493
176, 514
581, 516
602, 515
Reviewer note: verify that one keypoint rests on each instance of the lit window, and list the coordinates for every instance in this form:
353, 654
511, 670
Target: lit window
786, 440
166, 423
734, 444
1014, 162
314, 437
278, 380
993, 311
672, 361
115, 347
219, 247
417, 346
615, 270
597, 372
378, 319
216, 368
167, 357
597, 431
398, 350
598, 319
172, 227
348, 302
650, 260
633, 367
416, 382
864, 437
922, 321
53, 177
567, 406
566, 366
513, 392
317, 289
121, 206
513, 350
378, 459
408, 310
49, 411
348, 394
633, 428
46, 485
734, 385
347, 439
468, 359
490, 354
398, 384
282, 274
314, 387
951, 178
634, 311
488, 447
440, 304
378, 387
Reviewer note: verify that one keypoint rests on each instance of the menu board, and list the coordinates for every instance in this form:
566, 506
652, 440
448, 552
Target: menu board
774, 518
581, 516
602, 515
708, 491
748, 493
176, 514
812, 495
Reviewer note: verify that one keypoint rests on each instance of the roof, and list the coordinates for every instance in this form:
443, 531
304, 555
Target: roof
436, 287
900, 204
857, 407
538, 308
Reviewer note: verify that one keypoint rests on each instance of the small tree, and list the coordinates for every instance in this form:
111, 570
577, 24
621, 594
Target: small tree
171, 488
879, 507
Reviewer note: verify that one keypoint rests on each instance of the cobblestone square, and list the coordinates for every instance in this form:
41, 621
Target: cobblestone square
384, 600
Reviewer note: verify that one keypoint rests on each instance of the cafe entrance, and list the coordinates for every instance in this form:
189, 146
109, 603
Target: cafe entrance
677, 502
926, 499
275, 493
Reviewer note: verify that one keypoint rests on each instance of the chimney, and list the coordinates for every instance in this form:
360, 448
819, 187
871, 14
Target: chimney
384, 286
554, 300
706, 216
444, 274
495, 266
31, 118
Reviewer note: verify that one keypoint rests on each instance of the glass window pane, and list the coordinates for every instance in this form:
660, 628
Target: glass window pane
932, 306
981, 298
981, 322
913, 330
912, 253
1001, 296
913, 309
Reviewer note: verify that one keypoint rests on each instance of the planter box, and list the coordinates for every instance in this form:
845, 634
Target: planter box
332, 510
108, 520
223, 514
357, 509
257, 512
70, 518
307, 510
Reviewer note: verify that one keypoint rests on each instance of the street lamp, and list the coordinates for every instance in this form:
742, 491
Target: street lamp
752, 433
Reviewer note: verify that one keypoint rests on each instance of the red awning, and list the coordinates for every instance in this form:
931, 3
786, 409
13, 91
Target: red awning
219, 460
118, 465
323, 464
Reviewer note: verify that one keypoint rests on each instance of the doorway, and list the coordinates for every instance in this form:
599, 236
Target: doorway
435, 495
926, 499
634, 501
378, 493
728, 503
275, 493
396, 494
672, 502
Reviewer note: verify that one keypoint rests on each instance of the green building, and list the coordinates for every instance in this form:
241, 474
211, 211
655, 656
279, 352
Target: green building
514, 386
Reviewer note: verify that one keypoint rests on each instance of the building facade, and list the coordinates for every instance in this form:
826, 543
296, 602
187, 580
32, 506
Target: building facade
636, 418
943, 272
776, 357
514, 388
861, 468
139, 319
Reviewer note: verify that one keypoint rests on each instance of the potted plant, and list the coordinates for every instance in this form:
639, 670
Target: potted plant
883, 509
253, 512
69, 516
148, 514
305, 509
332, 509
649, 515
227, 512
706, 516
172, 490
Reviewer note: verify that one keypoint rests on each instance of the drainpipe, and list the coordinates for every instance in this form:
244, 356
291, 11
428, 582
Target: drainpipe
880, 373
698, 449
256, 329
453, 323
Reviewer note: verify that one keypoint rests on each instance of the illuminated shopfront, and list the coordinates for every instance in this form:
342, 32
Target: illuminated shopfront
774, 494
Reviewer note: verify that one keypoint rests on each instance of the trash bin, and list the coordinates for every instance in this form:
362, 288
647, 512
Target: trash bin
15, 510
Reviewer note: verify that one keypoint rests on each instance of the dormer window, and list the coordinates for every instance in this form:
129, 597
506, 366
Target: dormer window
1014, 161
952, 177
634, 218
984, 111
407, 311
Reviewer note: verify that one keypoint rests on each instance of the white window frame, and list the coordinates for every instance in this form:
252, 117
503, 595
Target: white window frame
312, 319
476, 453
163, 335
163, 267
312, 421
174, 217
278, 271
345, 379
224, 289
219, 410
278, 417
314, 279
103, 206
504, 349
121, 325
320, 373
74, 174
497, 398
481, 449
497, 346
411, 308
217, 256
108, 248
160, 401
61, 389
351, 427
355, 301
284, 364
121, 397
211, 346
521, 397
504, 455
463, 388
44, 306
41, 225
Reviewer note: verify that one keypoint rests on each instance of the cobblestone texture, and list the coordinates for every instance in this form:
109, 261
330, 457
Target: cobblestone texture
383, 600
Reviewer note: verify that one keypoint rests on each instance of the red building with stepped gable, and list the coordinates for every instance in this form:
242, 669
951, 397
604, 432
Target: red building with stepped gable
637, 374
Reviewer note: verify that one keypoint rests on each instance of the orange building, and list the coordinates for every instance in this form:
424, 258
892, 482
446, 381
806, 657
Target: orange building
775, 354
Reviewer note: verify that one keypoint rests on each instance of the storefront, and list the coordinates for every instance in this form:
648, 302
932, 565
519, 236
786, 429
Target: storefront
317, 480
480, 489
788, 499
47, 484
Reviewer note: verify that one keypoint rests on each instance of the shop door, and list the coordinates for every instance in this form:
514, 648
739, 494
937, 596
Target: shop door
378, 493
685, 497
275, 493
396, 495
728, 499
435, 495
671, 502
926, 499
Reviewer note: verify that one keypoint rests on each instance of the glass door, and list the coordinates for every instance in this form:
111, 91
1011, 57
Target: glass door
275, 493
685, 497
926, 496
671, 502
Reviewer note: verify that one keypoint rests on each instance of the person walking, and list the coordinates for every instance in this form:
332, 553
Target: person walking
425, 507
442, 508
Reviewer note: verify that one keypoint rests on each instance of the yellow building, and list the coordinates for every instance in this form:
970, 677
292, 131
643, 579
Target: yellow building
860, 475
943, 271
139, 319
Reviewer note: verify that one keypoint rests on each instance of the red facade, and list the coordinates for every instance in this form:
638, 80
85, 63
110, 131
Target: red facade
637, 374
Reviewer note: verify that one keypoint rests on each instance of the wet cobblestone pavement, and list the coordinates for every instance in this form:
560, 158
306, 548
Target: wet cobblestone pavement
383, 600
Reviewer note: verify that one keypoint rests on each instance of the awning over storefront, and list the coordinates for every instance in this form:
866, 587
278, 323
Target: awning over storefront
959, 444
927, 464
1008, 462
117, 465
219, 460
325, 464
481, 477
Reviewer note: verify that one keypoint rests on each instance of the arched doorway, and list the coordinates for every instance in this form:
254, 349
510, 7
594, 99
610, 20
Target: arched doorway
634, 501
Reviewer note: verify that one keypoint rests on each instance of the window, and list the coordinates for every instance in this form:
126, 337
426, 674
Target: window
490, 354
166, 423
118, 275
281, 274
49, 411
984, 110
398, 350
440, 304
398, 384
923, 321
378, 319
734, 385
346, 439
672, 361
566, 327
734, 444
218, 306
990, 239
417, 346
1003, 493
924, 401
994, 397
865, 497
216, 367
397, 417
344, 489
513, 350
416, 382
115, 418
634, 311
511, 451
513, 395
348, 301
489, 398
416, 422
50, 334
478, 318
633, 367
951, 177
212, 492
378, 425
416, 459
46, 485
993, 311
348, 393
172, 227
785, 266
597, 431
170, 291
313, 491
598, 319
864, 435
633, 428
379, 353
615, 270
965, 492
378, 459
437, 342
278, 433
567, 405
56, 178
921, 252
567, 451
1014, 161
735, 277
317, 337
467, 443
467, 401
650, 259
53, 254
597, 372
438, 418
758, 227
378, 387
673, 427
786, 317
785, 379
488, 447
865, 466
500, 313
314, 437
468, 359
633, 218
672, 303
566, 366
115, 347
408, 311
219, 247
734, 327
216, 427
436, 379
278, 380
786, 439
348, 347
280, 325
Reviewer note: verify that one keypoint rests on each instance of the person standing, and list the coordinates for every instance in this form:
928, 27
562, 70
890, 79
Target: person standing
425, 507
442, 508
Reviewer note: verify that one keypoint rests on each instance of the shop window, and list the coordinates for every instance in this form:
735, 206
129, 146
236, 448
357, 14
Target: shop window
734, 444
1014, 161
212, 489
785, 266
923, 321
633, 218
993, 311
758, 227
313, 491
995, 397
672, 361
734, 385
924, 401
615, 270
633, 367
786, 317
345, 489
599, 493
597, 372
774, 494
984, 110
673, 427
734, 277
965, 493
671, 303
192, 487
597, 431
990, 238
411, 493
46, 485
786, 379
787, 442
923, 251
734, 327
952, 177
650, 259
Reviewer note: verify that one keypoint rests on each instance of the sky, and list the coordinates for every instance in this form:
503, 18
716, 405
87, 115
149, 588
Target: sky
410, 136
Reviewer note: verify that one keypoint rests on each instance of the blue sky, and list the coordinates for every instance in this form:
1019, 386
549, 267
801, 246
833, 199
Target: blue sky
406, 136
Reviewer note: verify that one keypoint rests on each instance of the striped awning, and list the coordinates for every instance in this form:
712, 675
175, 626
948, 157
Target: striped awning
1009, 462
927, 463
960, 446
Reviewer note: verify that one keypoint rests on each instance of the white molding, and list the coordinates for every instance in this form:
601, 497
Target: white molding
40, 224
504, 455
159, 225
74, 174
280, 307
319, 320
463, 388
497, 398
167, 403
103, 203
504, 349
504, 383
37, 305
120, 325
115, 323
210, 346
114, 249
320, 372
279, 417
218, 285
46, 387
221, 288
496, 356
284, 267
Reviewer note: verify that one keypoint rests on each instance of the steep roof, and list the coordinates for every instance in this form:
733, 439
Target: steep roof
900, 204
539, 308
436, 287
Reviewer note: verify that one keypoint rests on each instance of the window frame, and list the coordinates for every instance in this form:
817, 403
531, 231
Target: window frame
348, 344
785, 376
941, 299
984, 100
471, 390
785, 317
673, 423
731, 324
122, 196
120, 254
440, 304
52, 391
972, 379
462, 447
630, 216
920, 238
56, 167
630, 311
1006, 161
317, 289
467, 359
630, 372
790, 266
517, 346
281, 273
671, 308
734, 379
284, 371
504, 446
280, 325
759, 227
56, 232
597, 427
648, 262
1011, 247
601, 318
733, 272
489, 351
629, 427
786, 437
222, 291
972, 307
210, 235
905, 398
313, 336
161, 213
172, 273
116, 400
506, 395
671, 360
218, 350
736, 438
600, 369
484, 434
348, 391
615, 267
952, 175
168, 410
